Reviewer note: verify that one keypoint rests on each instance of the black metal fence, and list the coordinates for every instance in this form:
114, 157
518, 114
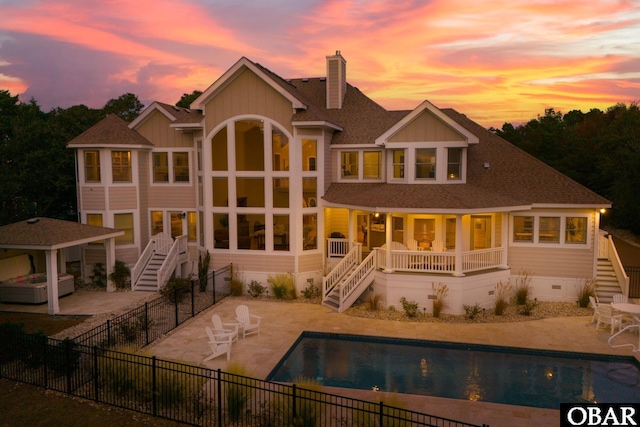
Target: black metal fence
143, 325
189, 394
634, 280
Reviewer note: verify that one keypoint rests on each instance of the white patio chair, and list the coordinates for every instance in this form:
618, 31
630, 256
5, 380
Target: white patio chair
594, 305
606, 316
620, 298
247, 326
220, 344
225, 328
412, 244
437, 246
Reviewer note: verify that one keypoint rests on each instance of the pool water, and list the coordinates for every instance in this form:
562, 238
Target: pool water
507, 375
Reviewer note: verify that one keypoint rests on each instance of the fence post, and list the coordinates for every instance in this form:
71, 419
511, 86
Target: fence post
193, 297
146, 322
96, 372
109, 343
381, 413
153, 386
175, 300
219, 397
213, 279
45, 351
67, 362
293, 404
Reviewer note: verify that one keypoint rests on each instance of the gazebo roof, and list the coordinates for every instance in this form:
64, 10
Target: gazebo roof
49, 234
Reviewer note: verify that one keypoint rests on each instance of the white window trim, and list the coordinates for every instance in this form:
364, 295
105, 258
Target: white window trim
172, 181
536, 230
360, 178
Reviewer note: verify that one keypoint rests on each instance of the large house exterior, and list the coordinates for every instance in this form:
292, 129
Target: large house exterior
311, 177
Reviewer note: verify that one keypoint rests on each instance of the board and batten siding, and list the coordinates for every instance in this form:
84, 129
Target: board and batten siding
551, 262
157, 130
123, 198
248, 94
252, 261
93, 198
426, 127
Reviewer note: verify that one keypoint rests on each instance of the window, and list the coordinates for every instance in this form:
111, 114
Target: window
398, 163
249, 145
424, 231
251, 232
281, 232
221, 231
425, 163
372, 164
160, 167
454, 163
250, 192
219, 150
280, 150
176, 224
310, 232
309, 154
124, 222
523, 229
280, 192
157, 222
309, 192
549, 230
576, 230
450, 233
181, 167
96, 221
350, 164
192, 218
220, 192
92, 166
121, 166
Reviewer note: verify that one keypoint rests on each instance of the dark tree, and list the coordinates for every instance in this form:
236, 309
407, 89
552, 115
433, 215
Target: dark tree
188, 98
127, 107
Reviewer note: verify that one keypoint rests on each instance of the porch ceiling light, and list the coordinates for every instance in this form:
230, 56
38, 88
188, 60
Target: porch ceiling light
602, 210
377, 214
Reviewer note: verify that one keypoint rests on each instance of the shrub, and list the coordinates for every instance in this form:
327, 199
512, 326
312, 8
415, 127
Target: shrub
283, 286
410, 307
588, 289
522, 288
121, 275
527, 308
256, 289
131, 327
176, 289
98, 275
503, 290
311, 291
236, 288
471, 311
10, 334
237, 391
203, 271
373, 302
441, 292
308, 408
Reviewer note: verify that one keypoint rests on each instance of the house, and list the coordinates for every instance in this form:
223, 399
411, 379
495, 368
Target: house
312, 177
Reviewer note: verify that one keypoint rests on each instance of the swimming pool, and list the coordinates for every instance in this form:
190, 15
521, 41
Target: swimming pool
507, 375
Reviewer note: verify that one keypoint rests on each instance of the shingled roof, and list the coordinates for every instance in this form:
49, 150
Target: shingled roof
50, 233
112, 130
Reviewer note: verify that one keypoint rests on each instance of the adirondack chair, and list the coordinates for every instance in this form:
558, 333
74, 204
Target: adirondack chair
220, 344
225, 328
249, 323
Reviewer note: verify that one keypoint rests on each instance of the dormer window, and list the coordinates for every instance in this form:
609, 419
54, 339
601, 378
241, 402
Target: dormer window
454, 163
349, 164
425, 163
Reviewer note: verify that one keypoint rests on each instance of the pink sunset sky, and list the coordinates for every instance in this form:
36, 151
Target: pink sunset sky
495, 61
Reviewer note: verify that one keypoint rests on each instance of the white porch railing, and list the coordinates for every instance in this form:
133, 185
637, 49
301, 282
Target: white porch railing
440, 262
160, 243
177, 253
337, 247
355, 281
352, 258
608, 248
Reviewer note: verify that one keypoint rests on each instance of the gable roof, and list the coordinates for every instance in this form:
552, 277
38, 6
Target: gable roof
110, 131
179, 116
49, 233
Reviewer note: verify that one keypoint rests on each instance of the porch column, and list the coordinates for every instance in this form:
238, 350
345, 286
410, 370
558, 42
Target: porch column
52, 281
505, 240
110, 249
62, 258
388, 237
458, 269
351, 221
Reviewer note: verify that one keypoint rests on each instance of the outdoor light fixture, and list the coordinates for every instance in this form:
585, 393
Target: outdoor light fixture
377, 214
602, 210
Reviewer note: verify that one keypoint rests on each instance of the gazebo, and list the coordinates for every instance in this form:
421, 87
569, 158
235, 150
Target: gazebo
51, 236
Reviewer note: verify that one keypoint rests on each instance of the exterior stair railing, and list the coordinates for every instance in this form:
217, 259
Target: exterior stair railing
177, 253
351, 259
607, 249
351, 288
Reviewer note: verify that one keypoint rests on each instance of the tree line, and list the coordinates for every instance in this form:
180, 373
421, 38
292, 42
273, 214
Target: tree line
599, 149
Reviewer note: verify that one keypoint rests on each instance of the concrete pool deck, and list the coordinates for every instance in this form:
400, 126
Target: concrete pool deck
283, 322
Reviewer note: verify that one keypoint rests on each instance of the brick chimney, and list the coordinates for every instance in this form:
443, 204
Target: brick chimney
336, 80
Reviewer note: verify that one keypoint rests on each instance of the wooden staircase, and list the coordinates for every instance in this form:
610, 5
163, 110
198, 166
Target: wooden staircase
607, 282
333, 299
149, 278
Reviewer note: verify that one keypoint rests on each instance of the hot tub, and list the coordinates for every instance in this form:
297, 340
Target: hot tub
32, 288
